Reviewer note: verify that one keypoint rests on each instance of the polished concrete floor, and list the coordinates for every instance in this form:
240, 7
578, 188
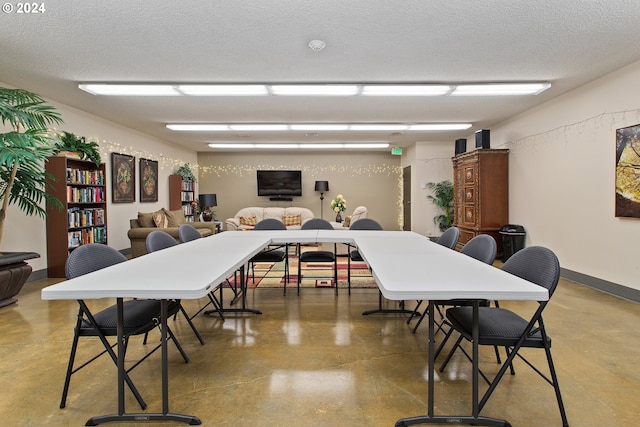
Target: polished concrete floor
314, 360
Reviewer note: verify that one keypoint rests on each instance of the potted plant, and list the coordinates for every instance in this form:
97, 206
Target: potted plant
23, 181
186, 173
88, 150
443, 198
339, 204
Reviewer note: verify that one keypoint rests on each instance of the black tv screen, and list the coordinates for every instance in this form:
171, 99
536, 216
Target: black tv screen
279, 183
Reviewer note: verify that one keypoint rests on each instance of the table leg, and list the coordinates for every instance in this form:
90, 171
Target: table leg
242, 295
430, 418
143, 417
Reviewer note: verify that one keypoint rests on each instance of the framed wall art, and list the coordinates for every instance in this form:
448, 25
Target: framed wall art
123, 178
148, 180
628, 172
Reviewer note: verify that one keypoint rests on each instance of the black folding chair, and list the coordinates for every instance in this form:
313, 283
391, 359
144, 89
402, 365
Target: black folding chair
501, 327
140, 315
188, 233
272, 254
317, 256
158, 240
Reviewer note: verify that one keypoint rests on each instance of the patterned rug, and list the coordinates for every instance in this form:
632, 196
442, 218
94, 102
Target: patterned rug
314, 275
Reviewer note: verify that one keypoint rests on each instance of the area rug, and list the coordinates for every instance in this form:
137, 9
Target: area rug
314, 275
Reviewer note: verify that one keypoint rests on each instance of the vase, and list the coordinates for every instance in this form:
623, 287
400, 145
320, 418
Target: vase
338, 217
207, 216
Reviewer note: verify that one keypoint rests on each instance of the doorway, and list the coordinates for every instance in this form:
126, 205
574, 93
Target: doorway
406, 198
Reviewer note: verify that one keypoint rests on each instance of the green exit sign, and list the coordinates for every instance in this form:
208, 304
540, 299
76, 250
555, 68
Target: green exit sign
396, 151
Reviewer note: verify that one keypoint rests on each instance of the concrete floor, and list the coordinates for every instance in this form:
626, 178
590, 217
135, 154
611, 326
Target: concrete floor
314, 360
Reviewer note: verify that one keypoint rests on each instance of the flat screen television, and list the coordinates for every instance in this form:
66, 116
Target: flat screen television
279, 183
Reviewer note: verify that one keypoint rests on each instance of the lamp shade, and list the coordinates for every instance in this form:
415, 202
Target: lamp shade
322, 186
207, 200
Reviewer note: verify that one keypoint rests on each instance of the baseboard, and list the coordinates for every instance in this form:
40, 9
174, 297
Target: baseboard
602, 285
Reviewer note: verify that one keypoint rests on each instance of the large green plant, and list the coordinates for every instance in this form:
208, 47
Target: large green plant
443, 198
70, 142
23, 152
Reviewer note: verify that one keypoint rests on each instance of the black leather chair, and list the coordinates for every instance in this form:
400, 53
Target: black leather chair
271, 254
158, 240
318, 256
140, 315
501, 327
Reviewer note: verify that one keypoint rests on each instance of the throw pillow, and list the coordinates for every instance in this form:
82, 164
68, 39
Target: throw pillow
175, 217
160, 219
145, 219
250, 221
292, 219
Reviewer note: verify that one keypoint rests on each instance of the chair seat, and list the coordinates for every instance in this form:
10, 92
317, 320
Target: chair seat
317, 256
496, 326
269, 256
136, 315
355, 256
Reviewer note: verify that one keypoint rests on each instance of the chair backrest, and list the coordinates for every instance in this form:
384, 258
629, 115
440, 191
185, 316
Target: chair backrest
449, 238
270, 224
91, 257
482, 247
366, 224
158, 240
536, 264
187, 233
317, 224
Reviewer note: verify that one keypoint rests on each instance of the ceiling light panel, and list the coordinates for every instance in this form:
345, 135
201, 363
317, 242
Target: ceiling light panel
315, 90
258, 127
129, 90
405, 90
223, 90
500, 89
204, 127
439, 126
319, 127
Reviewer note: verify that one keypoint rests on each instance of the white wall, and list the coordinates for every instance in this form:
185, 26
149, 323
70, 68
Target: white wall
430, 162
23, 233
368, 179
562, 176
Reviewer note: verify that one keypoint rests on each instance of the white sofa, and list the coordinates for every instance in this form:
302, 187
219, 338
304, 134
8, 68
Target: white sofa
246, 218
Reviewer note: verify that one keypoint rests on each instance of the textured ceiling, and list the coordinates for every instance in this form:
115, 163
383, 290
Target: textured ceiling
565, 42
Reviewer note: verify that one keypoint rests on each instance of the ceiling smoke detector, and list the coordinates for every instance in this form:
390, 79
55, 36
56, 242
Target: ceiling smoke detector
317, 45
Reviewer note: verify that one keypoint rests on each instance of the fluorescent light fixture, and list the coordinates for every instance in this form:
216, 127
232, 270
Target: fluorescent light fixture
129, 89
500, 89
315, 90
258, 127
245, 146
374, 127
381, 145
405, 90
378, 127
316, 127
440, 126
204, 127
223, 90
318, 146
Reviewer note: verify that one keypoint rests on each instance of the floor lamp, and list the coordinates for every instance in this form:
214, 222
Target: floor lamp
322, 186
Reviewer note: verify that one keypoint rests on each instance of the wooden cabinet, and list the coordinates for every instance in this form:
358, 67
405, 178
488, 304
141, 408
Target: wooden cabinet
481, 193
80, 186
181, 195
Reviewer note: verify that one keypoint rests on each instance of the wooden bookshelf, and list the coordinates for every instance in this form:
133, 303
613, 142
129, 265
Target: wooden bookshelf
81, 187
181, 195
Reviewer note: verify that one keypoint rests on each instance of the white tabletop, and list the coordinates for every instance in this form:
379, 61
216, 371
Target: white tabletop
406, 265
416, 268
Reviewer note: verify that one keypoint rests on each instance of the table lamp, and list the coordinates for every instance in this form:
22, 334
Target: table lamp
206, 201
